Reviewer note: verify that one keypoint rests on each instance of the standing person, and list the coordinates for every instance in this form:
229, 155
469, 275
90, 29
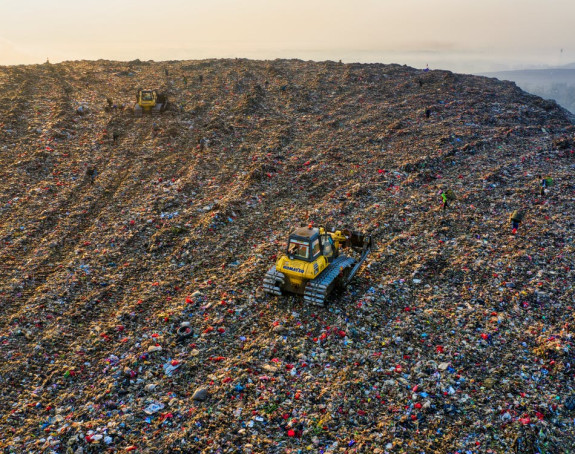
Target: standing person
445, 200
91, 173
446, 196
543, 184
516, 218
185, 79
155, 129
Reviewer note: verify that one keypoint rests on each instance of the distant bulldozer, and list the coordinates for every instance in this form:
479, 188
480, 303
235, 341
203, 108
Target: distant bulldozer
150, 101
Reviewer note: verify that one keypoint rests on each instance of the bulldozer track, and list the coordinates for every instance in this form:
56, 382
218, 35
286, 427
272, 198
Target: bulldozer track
273, 281
317, 291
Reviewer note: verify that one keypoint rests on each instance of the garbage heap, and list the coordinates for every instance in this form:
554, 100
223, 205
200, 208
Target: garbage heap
132, 314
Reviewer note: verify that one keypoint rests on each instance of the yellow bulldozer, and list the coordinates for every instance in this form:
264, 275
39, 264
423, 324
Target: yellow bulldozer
150, 101
314, 265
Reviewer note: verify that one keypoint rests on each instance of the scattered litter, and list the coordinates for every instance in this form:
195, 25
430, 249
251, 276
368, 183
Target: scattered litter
142, 289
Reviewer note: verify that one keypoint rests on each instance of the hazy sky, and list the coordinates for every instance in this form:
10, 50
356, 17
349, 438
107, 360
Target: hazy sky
460, 35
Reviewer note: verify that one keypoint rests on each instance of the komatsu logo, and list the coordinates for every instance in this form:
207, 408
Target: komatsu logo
297, 270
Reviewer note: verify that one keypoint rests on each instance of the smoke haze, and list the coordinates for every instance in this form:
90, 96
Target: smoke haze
460, 36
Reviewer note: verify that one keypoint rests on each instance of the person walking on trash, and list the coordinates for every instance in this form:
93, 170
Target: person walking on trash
516, 218
544, 184
446, 196
91, 173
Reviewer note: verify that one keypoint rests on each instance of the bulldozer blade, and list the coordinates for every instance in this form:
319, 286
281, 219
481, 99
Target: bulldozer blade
359, 240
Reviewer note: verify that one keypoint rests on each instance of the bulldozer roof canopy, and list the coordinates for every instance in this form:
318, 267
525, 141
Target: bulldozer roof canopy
305, 232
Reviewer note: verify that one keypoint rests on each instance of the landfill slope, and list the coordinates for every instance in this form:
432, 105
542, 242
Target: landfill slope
454, 336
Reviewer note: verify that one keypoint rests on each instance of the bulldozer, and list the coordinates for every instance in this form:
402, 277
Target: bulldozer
150, 101
314, 265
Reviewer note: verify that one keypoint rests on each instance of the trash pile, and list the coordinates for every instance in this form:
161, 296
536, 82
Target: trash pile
132, 313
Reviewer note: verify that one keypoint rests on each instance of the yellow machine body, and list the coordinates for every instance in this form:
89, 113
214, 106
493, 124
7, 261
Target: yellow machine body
147, 99
299, 272
313, 265
150, 102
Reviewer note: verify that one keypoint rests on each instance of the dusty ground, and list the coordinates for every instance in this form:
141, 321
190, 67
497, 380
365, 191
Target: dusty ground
456, 336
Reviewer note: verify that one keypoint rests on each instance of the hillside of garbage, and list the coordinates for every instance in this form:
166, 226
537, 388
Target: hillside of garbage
133, 250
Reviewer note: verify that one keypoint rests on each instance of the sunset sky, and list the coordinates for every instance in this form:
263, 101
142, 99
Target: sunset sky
460, 35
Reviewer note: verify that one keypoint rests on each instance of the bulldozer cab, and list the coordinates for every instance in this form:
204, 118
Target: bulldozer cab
304, 245
147, 98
